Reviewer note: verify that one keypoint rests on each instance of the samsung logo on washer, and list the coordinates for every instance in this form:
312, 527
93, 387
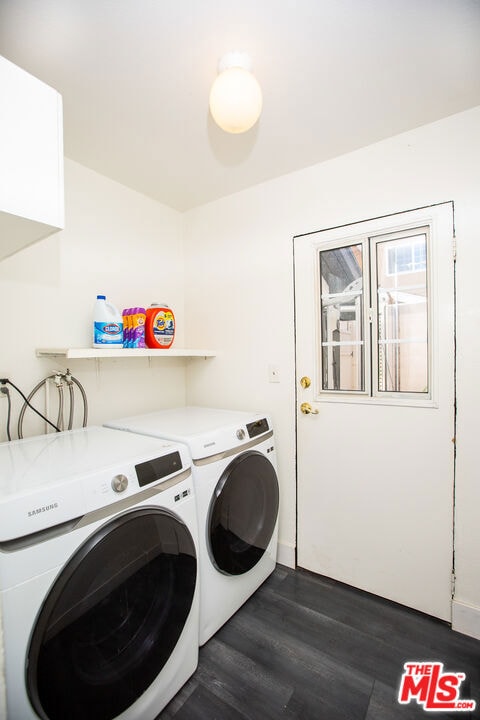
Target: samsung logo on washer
45, 508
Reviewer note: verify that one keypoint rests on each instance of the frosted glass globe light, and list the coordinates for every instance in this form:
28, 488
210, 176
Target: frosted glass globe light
235, 97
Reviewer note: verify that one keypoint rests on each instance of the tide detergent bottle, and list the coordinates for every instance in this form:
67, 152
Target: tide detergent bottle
107, 325
159, 326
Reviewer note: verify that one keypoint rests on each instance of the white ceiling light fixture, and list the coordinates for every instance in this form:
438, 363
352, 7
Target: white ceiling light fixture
236, 96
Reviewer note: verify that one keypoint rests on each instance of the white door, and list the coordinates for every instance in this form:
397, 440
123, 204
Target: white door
374, 309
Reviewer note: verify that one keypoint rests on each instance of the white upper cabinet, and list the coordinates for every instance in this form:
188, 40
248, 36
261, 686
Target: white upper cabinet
31, 159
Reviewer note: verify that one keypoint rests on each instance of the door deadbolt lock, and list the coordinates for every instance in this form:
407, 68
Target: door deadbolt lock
307, 409
305, 382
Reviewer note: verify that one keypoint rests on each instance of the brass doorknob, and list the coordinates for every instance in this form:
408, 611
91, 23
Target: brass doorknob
307, 409
305, 382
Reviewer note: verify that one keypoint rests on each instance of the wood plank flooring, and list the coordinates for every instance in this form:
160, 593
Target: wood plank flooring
305, 647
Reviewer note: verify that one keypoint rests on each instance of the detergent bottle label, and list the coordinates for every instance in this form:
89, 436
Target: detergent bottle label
164, 327
108, 333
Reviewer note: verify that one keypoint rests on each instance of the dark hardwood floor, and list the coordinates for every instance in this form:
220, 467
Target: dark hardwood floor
309, 648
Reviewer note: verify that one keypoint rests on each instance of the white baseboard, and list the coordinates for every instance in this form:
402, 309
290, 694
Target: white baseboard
466, 619
286, 555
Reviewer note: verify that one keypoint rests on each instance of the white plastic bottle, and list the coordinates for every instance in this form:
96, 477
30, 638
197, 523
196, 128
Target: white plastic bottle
107, 325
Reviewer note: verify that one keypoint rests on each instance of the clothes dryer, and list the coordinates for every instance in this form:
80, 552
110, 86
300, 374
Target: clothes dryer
236, 488
98, 575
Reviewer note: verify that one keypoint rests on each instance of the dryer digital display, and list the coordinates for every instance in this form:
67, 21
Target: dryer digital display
158, 468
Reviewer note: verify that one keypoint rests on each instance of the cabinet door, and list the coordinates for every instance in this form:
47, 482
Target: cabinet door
31, 148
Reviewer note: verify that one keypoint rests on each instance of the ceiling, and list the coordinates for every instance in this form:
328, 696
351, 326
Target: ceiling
336, 75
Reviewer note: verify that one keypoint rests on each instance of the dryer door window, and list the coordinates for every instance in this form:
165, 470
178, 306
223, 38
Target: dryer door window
243, 513
113, 617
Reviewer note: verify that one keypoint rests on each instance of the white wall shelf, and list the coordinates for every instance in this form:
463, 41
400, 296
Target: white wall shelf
86, 353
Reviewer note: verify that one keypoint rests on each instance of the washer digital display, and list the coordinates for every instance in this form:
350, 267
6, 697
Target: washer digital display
152, 470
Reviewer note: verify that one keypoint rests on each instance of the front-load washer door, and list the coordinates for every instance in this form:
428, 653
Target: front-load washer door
112, 618
243, 513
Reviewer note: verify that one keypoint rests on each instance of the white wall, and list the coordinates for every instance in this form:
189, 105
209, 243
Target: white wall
115, 242
239, 295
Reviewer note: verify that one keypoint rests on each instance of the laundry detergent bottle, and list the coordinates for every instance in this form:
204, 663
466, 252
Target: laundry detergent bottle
159, 326
107, 324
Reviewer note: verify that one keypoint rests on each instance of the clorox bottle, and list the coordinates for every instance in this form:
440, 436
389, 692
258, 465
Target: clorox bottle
107, 325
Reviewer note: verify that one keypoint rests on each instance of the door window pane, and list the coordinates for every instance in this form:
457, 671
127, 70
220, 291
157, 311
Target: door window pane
402, 315
342, 327
407, 257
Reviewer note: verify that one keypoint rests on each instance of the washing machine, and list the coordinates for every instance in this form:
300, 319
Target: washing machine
99, 575
236, 488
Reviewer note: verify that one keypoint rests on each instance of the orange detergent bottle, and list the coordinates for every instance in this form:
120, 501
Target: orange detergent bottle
159, 326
